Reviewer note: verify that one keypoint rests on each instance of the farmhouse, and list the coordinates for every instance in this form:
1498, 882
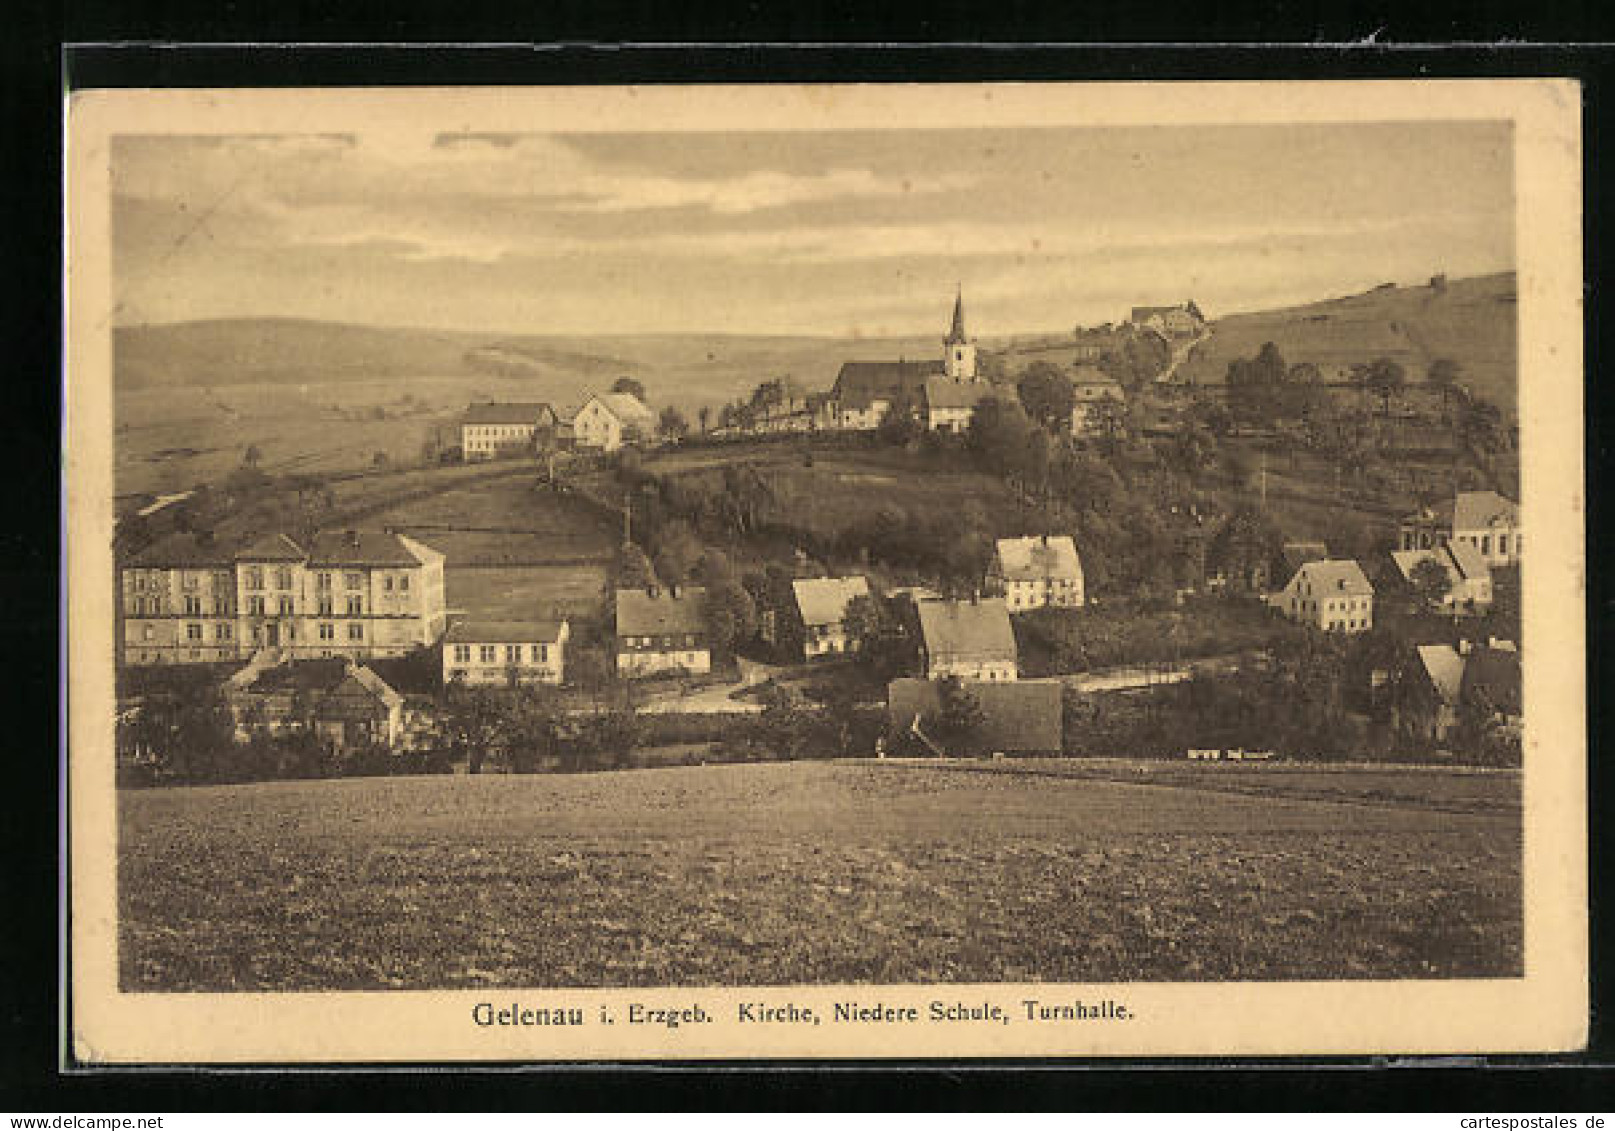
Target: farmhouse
661, 630
1482, 519
1038, 572
970, 639
1169, 321
489, 431
1332, 594
1099, 398
608, 421
346, 704
1024, 717
1469, 578
1448, 682
821, 603
354, 593
505, 652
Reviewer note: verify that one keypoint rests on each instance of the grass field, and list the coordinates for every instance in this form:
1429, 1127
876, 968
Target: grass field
814, 872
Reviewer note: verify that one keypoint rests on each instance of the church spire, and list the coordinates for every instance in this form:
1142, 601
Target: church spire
956, 336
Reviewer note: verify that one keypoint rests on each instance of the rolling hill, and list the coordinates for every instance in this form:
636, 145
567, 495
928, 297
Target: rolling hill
1471, 321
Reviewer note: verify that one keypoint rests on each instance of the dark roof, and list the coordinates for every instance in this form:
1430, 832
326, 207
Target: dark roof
862, 382
1492, 678
956, 335
943, 392
300, 675
1022, 717
641, 614
970, 628
527, 412
504, 632
362, 547
271, 548
184, 551
1472, 510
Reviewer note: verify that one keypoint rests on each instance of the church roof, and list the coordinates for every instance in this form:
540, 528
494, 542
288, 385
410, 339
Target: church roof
956, 335
942, 392
861, 383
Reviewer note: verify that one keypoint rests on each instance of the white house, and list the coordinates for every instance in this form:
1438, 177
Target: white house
1482, 519
1037, 572
1469, 577
970, 639
822, 602
610, 420
1332, 594
503, 652
488, 431
661, 630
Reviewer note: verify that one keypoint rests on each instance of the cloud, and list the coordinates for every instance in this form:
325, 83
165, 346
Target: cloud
751, 192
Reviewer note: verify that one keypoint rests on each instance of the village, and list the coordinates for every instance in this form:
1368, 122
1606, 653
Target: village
1050, 548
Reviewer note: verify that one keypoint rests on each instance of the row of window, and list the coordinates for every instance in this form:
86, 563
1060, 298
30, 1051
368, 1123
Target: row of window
490, 653
254, 578
193, 632
688, 640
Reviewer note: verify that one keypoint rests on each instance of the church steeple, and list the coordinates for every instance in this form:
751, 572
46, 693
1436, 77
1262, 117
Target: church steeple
956, 336
959, 352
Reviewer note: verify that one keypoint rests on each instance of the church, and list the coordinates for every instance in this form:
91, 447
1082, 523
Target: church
943, 392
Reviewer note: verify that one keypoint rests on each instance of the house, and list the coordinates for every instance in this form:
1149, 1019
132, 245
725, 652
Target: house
1492, 685
821, 603
1332, 594
489, 431
1482, 519
1441, 670
1481, 681
947, 405
1099, 401
345, 703
358, 593
1024, 717
865, 391
1169, 321
1036, 572
1469, 578
505, 652
661, 630
970, 639
608, 421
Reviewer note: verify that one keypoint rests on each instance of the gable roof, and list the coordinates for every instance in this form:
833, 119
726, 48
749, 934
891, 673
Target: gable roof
1492, 679
1022, 717
362, 547
184, 551
824, 600
1339, 576
1469, 560
627, 408
271, 548
944, 392
1445, 669
969, 628
504, 632
1032, 559
639, 613
512, 412
1472, 510
861, 383
1090, 382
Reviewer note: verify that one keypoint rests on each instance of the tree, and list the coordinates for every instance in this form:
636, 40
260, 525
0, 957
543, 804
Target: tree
998, 431
1430, 582
728, 610
1385, 378
1444, 373
633, 569
678, 550
704, 415
630, 386
901, 425
672, 423
1246, 547
472, 718
960, 717
251, 457
1047, 395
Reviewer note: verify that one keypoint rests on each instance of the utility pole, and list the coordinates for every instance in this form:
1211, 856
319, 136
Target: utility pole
627, 518
1264, 479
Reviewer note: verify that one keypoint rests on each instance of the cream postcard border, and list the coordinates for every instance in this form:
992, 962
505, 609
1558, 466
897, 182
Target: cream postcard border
1546, 1010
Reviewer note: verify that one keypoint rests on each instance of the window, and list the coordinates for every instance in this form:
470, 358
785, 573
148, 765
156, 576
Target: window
387, 583
221, 606
488, 653
322, 581
513, 653
193, 606
353, 580
255, 606
193, 632
255, 578
355, 632
147, 632
139, 581
189, 581
403, 582
1485, 543
283, 578
462, 653
327, 632
325, 606
355, 606
285, 606
540, 654
221, 632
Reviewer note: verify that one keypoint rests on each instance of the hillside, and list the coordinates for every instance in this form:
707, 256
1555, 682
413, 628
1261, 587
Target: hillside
1471, 321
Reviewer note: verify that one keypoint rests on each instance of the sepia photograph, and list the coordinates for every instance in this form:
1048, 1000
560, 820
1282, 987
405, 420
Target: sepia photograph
678, 566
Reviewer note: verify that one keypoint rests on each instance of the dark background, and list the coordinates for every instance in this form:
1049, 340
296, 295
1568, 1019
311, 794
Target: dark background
37, 72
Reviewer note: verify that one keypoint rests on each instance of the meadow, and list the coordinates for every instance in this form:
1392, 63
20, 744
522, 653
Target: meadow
819, 873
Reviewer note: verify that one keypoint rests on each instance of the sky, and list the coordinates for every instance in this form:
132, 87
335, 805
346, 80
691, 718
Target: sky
855, 232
